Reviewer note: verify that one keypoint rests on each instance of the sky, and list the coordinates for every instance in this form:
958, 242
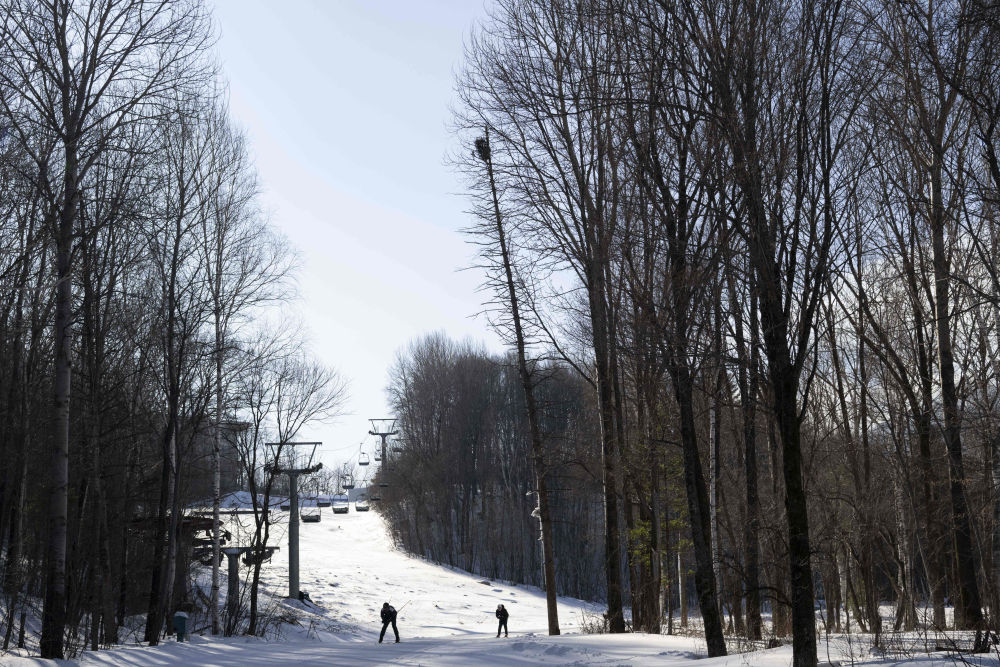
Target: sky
347, 104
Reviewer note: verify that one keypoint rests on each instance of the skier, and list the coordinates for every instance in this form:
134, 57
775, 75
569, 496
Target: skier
389, 616
502, 615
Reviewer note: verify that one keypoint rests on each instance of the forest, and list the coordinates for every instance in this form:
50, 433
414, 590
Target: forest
744, 253
146, 353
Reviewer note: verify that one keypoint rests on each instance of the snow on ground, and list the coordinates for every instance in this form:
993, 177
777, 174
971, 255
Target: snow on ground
347, 563
464, 651
349, 568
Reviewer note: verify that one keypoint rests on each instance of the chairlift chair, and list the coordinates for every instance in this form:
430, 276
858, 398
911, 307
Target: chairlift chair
310, 516
341, 505
378, 456
348, 482
323, 502
363, 459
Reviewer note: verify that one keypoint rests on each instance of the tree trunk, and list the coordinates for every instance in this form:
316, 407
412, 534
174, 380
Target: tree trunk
681, 290
697, 494
668, 566
995, 536
54, 611
713, 497
906, 616
715, 446
972, 613
784, 386
748, 400
746, 378
155, 614
681, 594
597, 295
930, 487
527, 386
216, 459
14, 580
654, 518
843, 574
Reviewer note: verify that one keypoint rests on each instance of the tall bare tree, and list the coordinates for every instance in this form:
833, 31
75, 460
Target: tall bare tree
925, 51
245, 267
675, 155
781, 83
539, 76
87, 70
503, 251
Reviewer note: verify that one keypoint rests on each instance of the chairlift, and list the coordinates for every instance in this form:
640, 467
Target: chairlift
310, 516
363, 459
383, 484
378, 456
285, 507
341, 504
348, 481
323, 501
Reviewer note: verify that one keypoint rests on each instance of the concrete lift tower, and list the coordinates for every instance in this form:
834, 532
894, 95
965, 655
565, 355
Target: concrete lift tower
293, 459
383, 428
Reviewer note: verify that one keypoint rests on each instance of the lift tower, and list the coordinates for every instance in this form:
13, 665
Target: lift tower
383, 428
293, 459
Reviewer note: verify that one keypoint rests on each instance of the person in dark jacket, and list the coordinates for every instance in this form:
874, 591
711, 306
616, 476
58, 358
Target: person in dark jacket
389, 616
502, 615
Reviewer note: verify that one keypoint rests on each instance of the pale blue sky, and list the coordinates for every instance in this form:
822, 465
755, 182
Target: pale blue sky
346, 104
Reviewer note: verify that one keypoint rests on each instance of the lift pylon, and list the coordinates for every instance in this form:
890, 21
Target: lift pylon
384, 429
293, 459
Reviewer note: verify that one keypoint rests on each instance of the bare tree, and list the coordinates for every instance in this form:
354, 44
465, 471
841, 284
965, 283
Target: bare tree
87, 71
245, 267
183, 305
929, 122
539, 76
774, 73
674, 155
280, 391
501, 249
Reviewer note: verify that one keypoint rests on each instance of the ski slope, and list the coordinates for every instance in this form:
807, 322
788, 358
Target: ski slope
348, 565
349, 568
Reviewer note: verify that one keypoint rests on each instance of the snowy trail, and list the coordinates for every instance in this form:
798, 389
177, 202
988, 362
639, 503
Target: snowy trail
349, 568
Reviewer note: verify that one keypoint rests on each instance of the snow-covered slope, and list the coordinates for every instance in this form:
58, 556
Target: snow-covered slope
349, 568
